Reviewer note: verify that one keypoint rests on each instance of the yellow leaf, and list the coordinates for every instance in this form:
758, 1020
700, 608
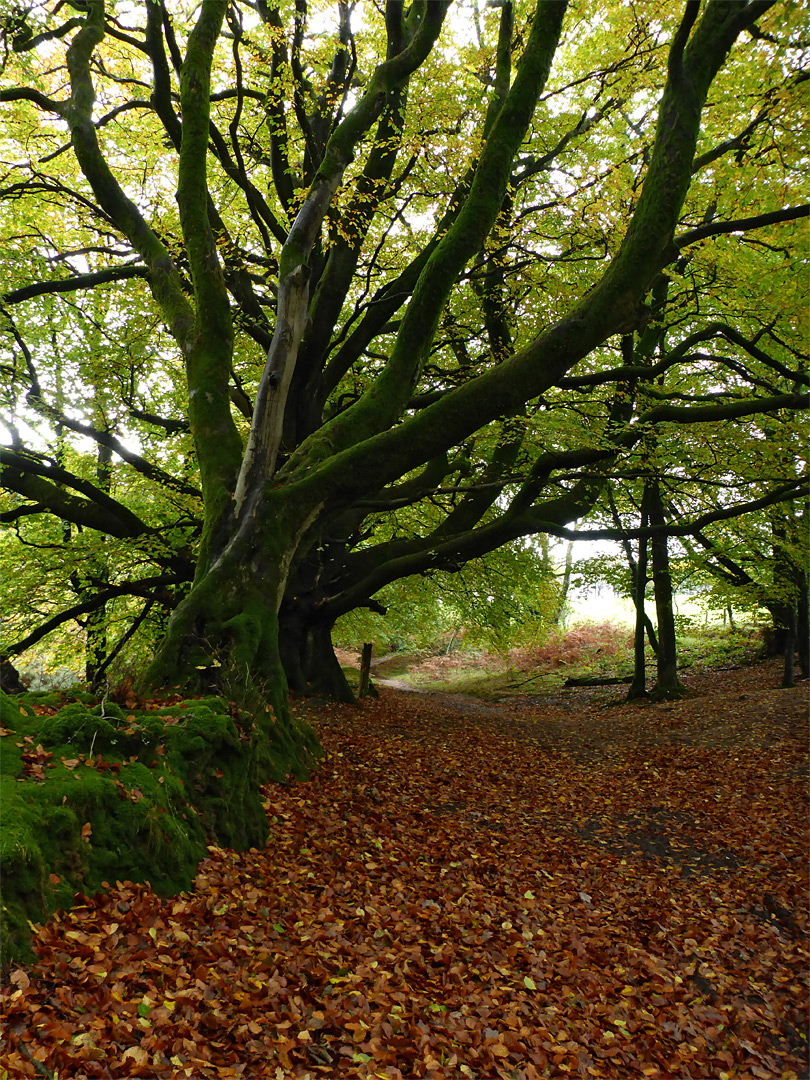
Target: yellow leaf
136, 1053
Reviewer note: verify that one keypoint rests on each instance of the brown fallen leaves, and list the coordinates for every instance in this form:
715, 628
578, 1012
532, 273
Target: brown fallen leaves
458, 896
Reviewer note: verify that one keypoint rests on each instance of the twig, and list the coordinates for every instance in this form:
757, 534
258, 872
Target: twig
43, 1070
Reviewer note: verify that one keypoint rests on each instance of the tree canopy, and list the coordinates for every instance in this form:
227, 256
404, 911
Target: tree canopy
303, 298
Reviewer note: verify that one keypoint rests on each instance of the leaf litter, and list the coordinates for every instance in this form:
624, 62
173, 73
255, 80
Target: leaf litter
562, 887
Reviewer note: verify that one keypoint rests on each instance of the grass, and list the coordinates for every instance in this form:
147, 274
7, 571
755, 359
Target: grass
586, 650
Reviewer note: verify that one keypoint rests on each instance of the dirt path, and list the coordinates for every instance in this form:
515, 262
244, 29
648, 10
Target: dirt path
735, 713
735, 708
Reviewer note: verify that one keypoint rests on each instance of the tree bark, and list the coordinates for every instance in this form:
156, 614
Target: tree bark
225, 633
559, 615
667, 684
803, 628
365, 670
638, 687
789, 649
308, 657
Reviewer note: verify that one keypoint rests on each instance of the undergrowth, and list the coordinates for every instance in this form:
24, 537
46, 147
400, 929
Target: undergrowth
587, 650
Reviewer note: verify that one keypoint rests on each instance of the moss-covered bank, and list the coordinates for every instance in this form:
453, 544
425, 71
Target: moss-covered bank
93, 793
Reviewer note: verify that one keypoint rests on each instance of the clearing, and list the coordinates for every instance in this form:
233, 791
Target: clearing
557, 885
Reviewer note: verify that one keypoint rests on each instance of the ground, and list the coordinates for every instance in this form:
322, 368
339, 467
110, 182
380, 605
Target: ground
557, 885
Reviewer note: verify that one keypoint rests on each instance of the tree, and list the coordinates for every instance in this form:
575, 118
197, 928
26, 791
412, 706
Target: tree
345, 212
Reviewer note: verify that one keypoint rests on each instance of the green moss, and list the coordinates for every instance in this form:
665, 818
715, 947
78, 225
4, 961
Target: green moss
154, 787
9, 711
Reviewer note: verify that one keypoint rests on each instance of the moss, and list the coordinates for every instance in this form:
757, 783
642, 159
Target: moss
49, 699
9, 711
154, 787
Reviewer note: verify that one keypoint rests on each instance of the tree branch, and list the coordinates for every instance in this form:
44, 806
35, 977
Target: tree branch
758, 221
144, 587
31, 478
73, 284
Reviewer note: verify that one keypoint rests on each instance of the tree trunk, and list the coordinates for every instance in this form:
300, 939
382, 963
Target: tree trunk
560, 614
776, 634
95, 629
224, 637
307, 654
325, 677
638, 687
789, 653
803, 628
365, 670
667, 684
10, 680
791, 582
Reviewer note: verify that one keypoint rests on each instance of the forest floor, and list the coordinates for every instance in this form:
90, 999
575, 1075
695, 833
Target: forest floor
547, 885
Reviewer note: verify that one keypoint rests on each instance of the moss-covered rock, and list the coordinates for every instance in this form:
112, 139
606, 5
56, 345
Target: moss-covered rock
92, 794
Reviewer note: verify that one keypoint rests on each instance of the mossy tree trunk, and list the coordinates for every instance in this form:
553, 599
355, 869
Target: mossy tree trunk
225, 633
667, 684
790, 578
324, 675
638, 571
803, 626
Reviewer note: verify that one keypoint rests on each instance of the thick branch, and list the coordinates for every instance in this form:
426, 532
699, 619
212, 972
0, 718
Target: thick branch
758, 221
788, 492
164, 280
39, 482
383, 403
612, 306
730, 410
267, 425
73, 284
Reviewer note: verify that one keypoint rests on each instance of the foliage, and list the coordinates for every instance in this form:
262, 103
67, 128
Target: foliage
580, 648
495, 601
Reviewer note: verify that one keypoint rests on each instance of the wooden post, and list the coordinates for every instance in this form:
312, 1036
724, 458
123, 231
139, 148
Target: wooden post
365, 668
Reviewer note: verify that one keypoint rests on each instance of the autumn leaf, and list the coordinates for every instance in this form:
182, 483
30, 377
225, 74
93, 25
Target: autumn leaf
20, 979
136, 1054
266, 964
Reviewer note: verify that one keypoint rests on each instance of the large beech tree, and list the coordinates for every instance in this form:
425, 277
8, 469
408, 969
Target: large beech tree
376, 207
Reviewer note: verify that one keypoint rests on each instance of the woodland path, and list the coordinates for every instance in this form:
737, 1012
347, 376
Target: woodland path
553, 886
733, 707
